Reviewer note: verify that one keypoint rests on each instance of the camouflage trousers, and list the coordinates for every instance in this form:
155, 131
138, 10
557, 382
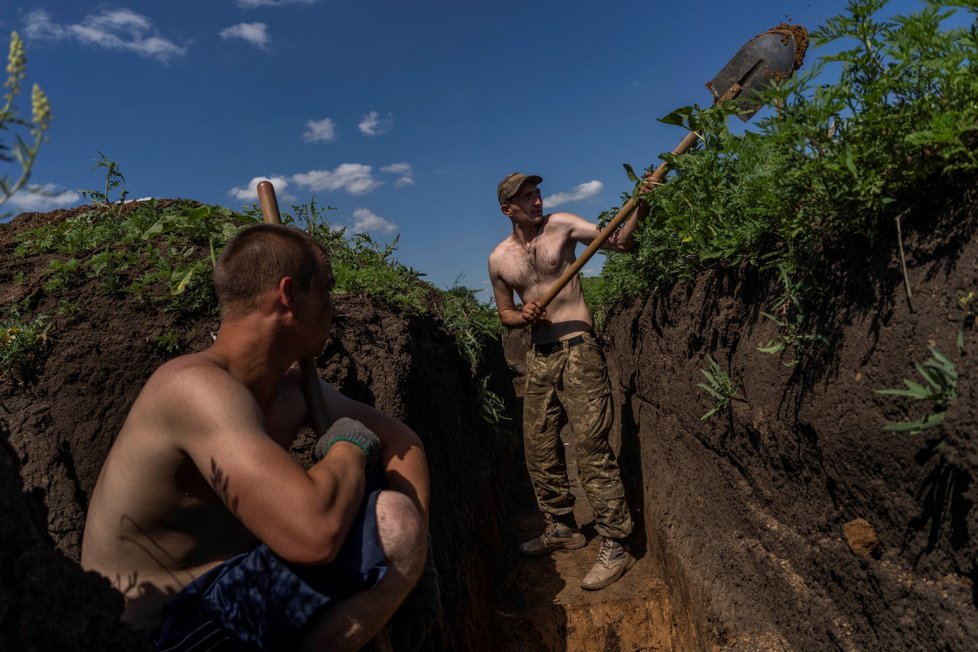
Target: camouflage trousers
571, 386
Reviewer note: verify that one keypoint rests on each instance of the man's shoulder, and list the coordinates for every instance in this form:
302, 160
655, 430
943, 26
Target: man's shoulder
564, 218
503, 249
189, 373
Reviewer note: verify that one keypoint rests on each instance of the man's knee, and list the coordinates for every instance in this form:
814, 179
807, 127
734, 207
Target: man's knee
402, 534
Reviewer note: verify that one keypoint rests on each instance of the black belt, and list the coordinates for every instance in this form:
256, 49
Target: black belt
546, 348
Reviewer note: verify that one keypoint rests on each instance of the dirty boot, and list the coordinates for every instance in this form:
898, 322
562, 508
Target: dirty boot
613, 560
557, 536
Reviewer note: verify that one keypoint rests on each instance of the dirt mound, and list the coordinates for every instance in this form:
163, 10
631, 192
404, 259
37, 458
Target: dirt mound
61, 416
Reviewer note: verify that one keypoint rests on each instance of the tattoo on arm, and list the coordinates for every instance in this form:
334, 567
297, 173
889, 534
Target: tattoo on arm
220, 483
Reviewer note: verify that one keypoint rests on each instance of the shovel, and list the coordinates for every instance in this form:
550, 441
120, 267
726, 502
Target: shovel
768, 57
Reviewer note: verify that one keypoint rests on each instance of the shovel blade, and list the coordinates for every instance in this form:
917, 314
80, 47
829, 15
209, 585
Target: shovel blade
770, 56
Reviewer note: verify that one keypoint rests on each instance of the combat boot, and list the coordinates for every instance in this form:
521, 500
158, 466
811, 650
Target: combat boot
613, 560
557, 536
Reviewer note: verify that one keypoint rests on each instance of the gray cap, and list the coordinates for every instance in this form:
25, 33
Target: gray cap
508, 186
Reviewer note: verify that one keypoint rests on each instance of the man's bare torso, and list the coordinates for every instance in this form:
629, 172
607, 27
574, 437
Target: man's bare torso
154, 519
532, 270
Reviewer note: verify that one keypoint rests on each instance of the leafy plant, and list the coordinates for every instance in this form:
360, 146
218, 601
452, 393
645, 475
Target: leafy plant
719, 385
491, 406
790, 319
169, 342
940, 378
857, 135
23, 153
61, 274
21, 343
113, 180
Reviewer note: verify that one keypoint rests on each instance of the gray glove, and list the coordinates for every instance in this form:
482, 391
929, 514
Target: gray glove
354, 432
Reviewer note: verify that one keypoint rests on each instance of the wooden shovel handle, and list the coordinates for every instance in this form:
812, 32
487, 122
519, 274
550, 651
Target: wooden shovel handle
310, 376
654, 179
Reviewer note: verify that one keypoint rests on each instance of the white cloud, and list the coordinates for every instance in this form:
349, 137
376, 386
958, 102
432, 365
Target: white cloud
250, 192
41, 198
373, 124
406, 174
355, 178
320, 131
251, 4
254, 33
113, 29
582, 191
364, 220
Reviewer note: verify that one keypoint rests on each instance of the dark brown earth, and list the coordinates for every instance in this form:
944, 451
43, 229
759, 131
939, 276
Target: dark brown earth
748, 523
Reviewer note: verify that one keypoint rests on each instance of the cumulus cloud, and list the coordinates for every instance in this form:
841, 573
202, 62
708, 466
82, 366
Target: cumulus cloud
250, 192
365, 221
374, 124
113, 29
582, 191
41, 197
355, 178
254, 33
251, 4
404, 172
320, 131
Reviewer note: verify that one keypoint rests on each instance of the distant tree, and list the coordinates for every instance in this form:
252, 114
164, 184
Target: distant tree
19, 151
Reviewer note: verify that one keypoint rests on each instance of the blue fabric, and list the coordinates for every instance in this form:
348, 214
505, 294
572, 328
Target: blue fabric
257, 601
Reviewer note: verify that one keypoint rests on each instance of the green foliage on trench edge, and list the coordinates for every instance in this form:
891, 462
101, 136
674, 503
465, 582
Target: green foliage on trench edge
175, 245
837, 160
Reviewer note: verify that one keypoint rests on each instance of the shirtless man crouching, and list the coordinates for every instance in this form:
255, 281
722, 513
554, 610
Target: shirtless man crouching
216, 537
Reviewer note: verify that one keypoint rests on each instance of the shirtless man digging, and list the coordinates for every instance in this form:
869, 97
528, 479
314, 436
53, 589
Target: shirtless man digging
216, 537
566, 377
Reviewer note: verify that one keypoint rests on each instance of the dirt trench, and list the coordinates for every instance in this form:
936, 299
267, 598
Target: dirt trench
790, 521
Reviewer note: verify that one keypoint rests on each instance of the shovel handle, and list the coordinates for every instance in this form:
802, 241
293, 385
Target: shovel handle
653, 179
310, 376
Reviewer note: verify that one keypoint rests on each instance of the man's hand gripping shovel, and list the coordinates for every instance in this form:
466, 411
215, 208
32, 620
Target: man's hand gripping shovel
310, 380
768, 57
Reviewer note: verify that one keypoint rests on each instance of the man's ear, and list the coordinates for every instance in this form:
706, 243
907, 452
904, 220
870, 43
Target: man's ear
506, 209
285, 293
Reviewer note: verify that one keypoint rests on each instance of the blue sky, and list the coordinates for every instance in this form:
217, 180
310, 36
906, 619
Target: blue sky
402, 115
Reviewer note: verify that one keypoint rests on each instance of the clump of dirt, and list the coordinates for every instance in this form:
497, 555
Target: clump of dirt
799, 34
61, 417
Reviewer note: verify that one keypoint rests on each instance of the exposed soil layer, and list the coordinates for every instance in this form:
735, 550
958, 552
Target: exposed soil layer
792, 520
